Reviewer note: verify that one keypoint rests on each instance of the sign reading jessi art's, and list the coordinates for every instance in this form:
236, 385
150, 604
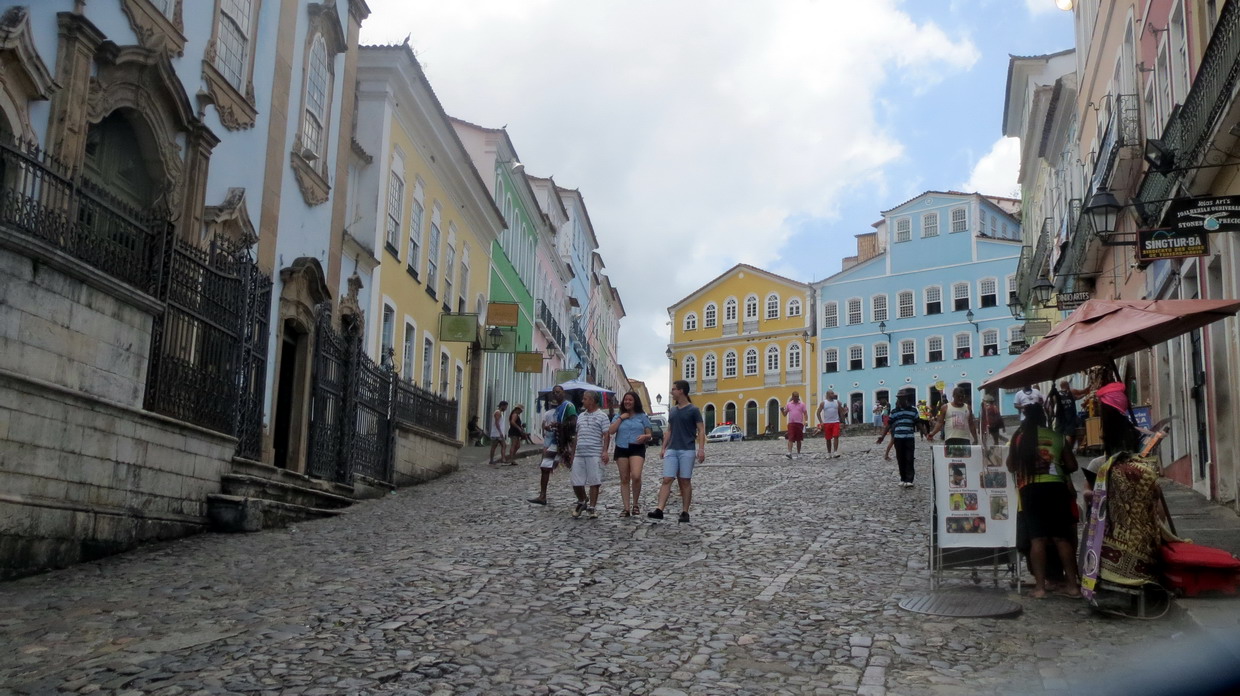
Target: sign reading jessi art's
1191, 221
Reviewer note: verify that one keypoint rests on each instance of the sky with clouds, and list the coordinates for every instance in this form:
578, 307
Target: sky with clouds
705, 134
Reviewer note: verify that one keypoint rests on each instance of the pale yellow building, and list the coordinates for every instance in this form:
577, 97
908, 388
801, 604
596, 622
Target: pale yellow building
744, 342
429, 223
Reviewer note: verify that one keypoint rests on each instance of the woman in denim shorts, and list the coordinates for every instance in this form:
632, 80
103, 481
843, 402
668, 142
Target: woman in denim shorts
630, 430
684, 427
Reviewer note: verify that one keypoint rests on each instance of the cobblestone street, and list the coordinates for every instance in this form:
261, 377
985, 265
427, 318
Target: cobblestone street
786, 581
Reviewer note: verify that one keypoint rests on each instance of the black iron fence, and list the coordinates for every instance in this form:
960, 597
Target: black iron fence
40, 199
417, 406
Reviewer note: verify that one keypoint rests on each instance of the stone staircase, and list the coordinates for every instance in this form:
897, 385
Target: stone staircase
257, 496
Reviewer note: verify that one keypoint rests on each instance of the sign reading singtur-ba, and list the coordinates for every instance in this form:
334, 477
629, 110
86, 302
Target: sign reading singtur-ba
1191, 221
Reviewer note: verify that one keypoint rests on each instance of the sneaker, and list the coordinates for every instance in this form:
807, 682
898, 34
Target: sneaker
684, 517
538, 501
593, 514
578, 509
789, 455
655, 514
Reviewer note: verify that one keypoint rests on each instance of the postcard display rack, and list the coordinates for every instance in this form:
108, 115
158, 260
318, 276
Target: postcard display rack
974, 514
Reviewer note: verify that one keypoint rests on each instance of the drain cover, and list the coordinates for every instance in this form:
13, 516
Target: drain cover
961, 604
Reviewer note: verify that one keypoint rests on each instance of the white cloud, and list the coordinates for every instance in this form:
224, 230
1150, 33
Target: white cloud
996, 172
694, 132
1037, 7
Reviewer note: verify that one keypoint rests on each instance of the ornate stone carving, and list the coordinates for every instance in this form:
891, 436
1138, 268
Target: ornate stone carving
314, 188
231, 218
351, 313
236, 111
24, 75
155, 30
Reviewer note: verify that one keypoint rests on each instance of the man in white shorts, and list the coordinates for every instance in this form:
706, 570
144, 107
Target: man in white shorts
589, 454
559, 411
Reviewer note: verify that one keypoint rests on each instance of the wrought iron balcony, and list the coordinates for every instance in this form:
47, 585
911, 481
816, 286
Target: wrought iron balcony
546, 321
579, 340
1187, 135
1122, 130
40, 200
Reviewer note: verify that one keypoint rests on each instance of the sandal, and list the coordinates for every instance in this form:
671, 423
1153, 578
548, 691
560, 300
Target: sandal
635, 511
624, 513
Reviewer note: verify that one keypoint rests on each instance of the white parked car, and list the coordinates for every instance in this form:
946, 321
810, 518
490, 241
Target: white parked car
725, 433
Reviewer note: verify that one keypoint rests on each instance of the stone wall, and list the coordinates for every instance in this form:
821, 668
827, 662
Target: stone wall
422, 455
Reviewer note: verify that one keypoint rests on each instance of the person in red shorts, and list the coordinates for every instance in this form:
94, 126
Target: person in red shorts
796, 411
829, 415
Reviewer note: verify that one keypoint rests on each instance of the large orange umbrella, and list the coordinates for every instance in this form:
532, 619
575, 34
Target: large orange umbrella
1101, 330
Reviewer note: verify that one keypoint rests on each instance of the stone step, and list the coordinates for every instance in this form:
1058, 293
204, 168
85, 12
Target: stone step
234, 513
249, 486
250, 467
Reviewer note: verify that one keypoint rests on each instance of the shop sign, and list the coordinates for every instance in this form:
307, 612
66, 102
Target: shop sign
458, 327
505, 342
503, 313
1153, 245
529, 362
562, 376
1036, 328
1070, 300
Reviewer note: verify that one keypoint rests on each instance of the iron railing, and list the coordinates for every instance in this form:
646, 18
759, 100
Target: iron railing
416, 406
579, 340
39, 198
548, 320
1123, 129
1188, 130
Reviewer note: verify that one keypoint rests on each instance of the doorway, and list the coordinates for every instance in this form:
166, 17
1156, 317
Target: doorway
856, 407
751, 419
729, 414
708, 415
290, 397
772, 416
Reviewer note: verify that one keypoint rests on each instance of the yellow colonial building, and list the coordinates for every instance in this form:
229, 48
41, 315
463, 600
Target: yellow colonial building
744, 341
430, 221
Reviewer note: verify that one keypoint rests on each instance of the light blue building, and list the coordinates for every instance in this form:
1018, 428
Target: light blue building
924, 302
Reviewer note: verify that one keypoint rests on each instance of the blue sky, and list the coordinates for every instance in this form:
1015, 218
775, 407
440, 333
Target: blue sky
703, 134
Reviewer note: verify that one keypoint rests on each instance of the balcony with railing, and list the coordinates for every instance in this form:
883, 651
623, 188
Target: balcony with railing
579, 341
1123, 129
546, 322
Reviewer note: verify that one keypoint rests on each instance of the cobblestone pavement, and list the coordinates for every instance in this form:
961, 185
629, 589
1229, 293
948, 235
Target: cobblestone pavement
786, 581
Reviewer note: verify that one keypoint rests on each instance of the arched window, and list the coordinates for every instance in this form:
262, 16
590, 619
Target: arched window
934, 300
729, 364
691, 322
772, 306
831, 360
794, 307
990, 342
930, 225
709, 366
934, 349
751, 307
854, 311
794, 357
878, 307
905, 304
729, 311
709, 315
232, 41
908, 352
751, 361
689, 368
830, 315
317, 81
960, 296
856, 360
880, 354
772, 359
964, 346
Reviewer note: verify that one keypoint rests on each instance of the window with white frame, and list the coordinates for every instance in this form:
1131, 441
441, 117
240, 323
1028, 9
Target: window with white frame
463, 286
794, 307
751, 361
428, 362
314, 120
232, 49
854, 311
960, 220
1179, 54
930, 225
934, 299
1016, 334
709, 315
908, 352
960, 296
1011, 289
878, 307
772, 359
729, 311
406, 362
415, 227
831, 360
772, 306
689, 368
934, 349
432, 251
856, 358
880, 354
395, 204
445, 363
387, 343
904, 304
794, 357
751, 307
729, 364
449, 267
990, 342
830, 315
904, 230
988, 292
691, 321
709, 366
964, 346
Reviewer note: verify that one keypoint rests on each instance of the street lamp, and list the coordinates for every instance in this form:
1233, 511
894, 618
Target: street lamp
882, 329
1041, 291
658, 399
969, 318
1017, 308
1102, 210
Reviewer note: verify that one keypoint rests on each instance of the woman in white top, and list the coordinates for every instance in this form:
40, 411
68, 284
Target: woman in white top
956, 418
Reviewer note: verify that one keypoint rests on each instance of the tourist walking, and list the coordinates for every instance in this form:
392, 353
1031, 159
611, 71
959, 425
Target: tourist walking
992, 420
630, 430
589, 454
1042, 465
1028, 395
795, 410
903, 428
1063, 405
559, 412
516, 432
685, 428
829, 418
956, 419
496, 432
